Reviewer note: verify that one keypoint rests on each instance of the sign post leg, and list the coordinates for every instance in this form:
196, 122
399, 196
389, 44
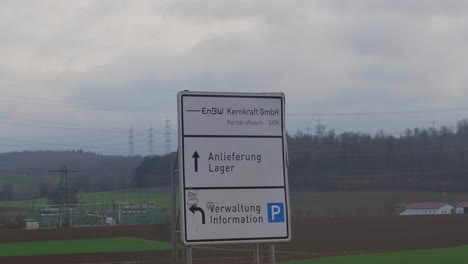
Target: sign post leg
272, 254
257, 253
173, 227
173, 217
189, 254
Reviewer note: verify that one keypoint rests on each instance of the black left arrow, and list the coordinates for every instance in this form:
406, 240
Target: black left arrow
194, 208
195, 158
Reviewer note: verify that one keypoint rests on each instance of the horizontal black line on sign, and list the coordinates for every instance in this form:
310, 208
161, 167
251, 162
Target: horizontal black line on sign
231, 136
193, 110
236, 239
234, 187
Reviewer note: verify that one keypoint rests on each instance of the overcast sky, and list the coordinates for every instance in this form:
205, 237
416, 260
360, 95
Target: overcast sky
78, 74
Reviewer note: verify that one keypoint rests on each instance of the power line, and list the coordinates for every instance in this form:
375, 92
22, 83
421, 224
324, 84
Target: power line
61, 144
61, 127
331, 155
101, 151
70, 104
97, 148
74, 125
412, 173
399, 112
100, 140
14, 121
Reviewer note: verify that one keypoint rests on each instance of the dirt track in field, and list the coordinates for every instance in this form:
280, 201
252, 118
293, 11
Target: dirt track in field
312, 238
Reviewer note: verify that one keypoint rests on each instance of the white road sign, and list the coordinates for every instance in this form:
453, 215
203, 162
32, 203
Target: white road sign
232, 168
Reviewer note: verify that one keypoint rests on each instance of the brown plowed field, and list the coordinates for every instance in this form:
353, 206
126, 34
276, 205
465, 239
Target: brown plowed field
151, 232
312, 238
4, 210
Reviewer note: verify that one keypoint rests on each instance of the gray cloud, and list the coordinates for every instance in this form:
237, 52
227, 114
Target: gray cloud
327, 56
212, 10
403, 8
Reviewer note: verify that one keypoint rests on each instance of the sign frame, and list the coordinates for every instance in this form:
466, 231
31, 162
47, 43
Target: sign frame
182, 174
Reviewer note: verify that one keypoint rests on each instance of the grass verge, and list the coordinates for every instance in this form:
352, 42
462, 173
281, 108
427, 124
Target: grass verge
427, 256
81, 246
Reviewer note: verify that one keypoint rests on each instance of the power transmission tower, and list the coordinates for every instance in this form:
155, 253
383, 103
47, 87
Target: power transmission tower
168, 136
320, 128
151, 141
130, 141
308, 128
64, 197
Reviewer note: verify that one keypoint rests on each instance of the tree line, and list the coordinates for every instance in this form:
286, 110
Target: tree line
434, 158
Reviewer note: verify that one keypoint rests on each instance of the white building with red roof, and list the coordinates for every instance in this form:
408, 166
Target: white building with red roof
428, 209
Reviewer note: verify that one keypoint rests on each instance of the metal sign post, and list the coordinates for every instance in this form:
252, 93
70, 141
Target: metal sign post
272, 253
189, 254
257, 253
174, 211
173, 221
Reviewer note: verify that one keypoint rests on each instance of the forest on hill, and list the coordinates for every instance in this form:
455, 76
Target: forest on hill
434, 159
28, 174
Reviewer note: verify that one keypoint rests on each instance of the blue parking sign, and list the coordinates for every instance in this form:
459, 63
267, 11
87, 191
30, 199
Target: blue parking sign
275, 212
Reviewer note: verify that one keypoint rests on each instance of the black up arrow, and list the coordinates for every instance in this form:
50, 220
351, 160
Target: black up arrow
195, 158
194, 208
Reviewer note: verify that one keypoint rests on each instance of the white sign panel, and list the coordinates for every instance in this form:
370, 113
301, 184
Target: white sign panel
224, 116
230, 162
233, 168
230, 214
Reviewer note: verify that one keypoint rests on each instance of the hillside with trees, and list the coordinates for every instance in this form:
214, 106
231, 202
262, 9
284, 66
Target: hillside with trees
433, 159
30, 174
155, 171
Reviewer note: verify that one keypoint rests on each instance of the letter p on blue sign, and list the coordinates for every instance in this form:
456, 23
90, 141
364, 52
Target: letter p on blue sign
275, 212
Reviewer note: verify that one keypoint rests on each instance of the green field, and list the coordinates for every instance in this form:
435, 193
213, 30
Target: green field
105, 199
429, 256
26, 184
80, 246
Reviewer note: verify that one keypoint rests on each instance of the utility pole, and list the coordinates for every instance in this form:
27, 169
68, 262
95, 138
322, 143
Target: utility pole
168, 136
130, 141
64, 196
151, 141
